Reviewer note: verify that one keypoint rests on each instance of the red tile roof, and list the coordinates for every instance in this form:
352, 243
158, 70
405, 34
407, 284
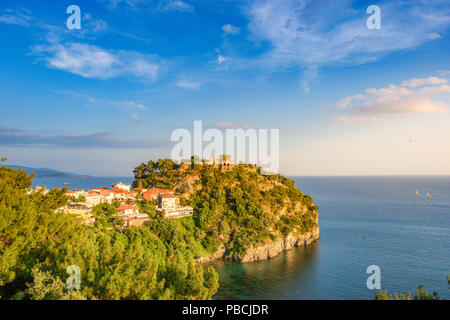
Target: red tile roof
122, 191
123, 208
167, 195
151, 193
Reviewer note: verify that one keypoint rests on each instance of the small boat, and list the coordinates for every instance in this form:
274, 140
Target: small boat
65, 184
417, 193
428, 195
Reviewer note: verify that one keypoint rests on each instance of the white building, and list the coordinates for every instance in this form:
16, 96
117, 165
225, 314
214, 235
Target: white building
121, 185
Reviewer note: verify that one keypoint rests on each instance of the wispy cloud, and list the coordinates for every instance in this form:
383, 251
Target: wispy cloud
22, 138
230, 29
112, 4
379, 104
425, 81
221, 59
309, 76
187, 84
161, 5
86, 60
93, 25
91, 61
131, 107
177, 5
16, 18
445, 88
309, 33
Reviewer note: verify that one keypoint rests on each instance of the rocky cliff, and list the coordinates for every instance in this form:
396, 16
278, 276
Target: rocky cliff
268, 250
272, 249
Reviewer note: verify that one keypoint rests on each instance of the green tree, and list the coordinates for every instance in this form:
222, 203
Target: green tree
38, 242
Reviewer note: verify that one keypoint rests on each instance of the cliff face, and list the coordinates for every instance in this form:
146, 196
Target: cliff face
272, 249
268, 250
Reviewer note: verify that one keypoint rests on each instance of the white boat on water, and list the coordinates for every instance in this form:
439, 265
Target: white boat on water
417, 193
428, 195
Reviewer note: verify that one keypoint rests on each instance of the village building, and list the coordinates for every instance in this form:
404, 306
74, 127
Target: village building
93, 199
170, 205
168, 201
153, 193
178, 212
227, 163
213, 161
224, 164
122, 195
121, 185
165, 199
127, 210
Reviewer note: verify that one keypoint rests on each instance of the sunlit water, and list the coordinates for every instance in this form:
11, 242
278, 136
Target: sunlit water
363, 221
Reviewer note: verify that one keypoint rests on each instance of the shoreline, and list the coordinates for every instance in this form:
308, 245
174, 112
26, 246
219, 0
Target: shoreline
267, 250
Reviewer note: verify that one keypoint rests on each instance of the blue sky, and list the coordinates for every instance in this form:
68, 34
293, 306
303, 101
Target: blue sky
347, 100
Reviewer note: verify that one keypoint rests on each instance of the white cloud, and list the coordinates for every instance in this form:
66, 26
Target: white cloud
187, 84
89, 100
229, 29
380, 104
112, 4
311, 33
91, 61
14, 19
17, 17
221, 59
425, 81
445, 88
161, 5
309, 76
345, 102
175, 5
93, 25
402, 106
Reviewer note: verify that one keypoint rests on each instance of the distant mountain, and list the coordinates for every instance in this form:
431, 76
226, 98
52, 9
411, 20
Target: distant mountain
48, 173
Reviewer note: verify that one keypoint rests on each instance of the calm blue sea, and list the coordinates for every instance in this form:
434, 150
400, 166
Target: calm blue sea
363, 221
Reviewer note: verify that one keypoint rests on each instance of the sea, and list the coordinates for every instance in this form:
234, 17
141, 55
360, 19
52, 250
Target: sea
364, 221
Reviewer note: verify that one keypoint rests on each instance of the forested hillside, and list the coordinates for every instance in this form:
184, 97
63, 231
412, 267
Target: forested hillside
237, 209
38, 243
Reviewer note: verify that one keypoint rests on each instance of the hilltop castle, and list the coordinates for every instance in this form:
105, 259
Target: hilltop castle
226, 163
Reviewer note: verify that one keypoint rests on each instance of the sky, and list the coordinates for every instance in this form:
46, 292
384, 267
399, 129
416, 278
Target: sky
348, 100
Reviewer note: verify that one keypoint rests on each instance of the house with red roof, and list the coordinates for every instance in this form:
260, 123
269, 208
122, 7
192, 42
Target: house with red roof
127, 210
154, 193
168, 201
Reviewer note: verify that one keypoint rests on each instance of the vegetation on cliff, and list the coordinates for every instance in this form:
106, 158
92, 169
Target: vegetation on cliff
238, 209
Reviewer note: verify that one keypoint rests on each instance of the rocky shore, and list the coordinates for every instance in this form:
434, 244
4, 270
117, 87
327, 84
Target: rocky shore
268, 250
